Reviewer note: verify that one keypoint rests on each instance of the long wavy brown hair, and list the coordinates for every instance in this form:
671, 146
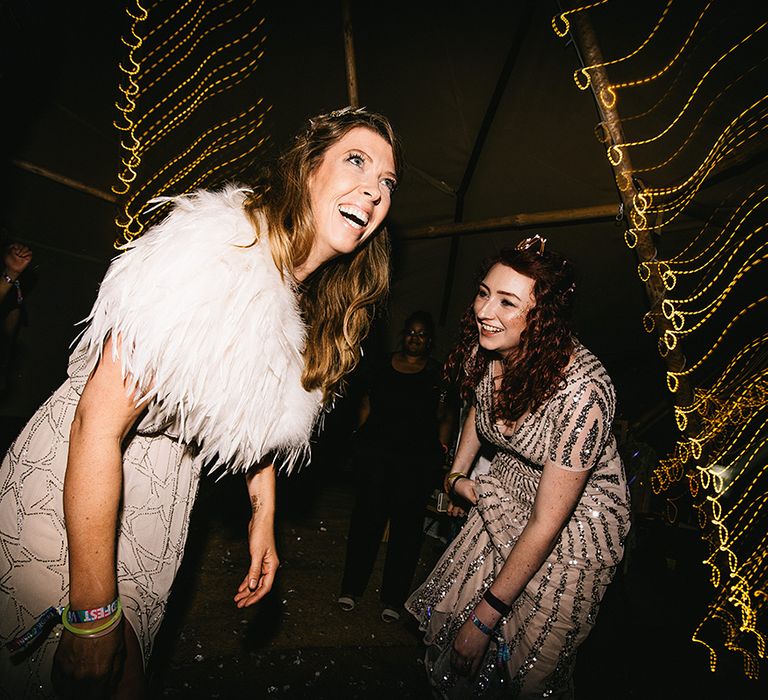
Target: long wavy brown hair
535, 369
339, 300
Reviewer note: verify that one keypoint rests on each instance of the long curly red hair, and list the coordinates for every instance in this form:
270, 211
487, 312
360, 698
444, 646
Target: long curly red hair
534, 371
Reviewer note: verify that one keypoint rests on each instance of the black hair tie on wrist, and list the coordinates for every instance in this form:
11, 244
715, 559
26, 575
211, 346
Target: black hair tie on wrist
452, 490
499, 606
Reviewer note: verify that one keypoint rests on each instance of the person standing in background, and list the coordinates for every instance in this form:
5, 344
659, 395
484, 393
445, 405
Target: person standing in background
16, 259
14, 282
405, 427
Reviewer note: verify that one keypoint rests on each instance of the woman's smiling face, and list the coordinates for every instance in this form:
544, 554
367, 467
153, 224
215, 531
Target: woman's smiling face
350, 193
501, 307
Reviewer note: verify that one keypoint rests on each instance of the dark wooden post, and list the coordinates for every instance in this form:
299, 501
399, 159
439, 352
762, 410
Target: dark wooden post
645, 249
349, 55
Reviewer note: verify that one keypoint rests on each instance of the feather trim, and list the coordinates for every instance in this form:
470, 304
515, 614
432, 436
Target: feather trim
210, 333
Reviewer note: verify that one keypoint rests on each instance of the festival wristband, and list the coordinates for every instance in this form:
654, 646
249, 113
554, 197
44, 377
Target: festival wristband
93, 631
75, 616
41, 625
477, 622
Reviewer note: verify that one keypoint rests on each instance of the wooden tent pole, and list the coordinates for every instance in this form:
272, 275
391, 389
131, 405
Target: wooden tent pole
64, 180
349, 55
515, 221
586, 41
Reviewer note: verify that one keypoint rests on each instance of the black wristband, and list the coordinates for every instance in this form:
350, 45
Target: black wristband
499, 606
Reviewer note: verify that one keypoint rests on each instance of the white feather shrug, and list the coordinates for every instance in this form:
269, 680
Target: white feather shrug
210, 333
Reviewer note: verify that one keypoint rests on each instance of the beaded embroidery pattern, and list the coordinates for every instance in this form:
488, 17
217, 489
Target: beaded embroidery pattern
559, 605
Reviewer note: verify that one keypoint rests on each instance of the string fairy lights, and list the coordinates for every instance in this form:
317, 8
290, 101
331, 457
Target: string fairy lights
563, 17
616, 150
749, 125
608, 95
185, 66
703, 136
717, 100
583, 73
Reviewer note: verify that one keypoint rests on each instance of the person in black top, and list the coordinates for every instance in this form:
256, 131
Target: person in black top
404, 427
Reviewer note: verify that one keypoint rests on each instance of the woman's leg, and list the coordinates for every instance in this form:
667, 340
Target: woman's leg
366, 527
406, 535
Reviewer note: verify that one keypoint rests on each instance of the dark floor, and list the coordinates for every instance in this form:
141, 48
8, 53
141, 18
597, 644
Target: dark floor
298, 644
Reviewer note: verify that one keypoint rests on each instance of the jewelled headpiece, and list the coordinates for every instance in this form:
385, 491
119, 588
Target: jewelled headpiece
535, 242
343, 112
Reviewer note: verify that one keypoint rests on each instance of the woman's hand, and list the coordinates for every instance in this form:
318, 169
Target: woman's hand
466, 452
260, 481
468, 650
88, 668
264, 562
447, 481
460, 490
455, 511
16, 258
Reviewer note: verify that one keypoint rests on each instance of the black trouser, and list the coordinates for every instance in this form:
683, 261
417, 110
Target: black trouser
396, 491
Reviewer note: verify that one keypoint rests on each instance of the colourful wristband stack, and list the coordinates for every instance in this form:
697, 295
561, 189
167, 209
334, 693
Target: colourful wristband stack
112, 613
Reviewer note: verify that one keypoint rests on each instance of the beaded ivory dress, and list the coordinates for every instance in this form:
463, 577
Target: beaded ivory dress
557, 608
212, 334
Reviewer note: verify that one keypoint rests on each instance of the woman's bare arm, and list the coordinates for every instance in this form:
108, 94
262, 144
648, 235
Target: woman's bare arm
260, 577
93, 482
92, 492
557, 495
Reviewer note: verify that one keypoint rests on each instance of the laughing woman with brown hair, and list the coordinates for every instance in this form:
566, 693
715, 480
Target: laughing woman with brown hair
216, 339
518, 589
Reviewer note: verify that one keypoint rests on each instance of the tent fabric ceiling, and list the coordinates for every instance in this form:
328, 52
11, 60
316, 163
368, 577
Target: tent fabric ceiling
431, 67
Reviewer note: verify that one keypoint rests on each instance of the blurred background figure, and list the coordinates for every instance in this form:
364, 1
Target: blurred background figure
14, 283
16, 259
405, 425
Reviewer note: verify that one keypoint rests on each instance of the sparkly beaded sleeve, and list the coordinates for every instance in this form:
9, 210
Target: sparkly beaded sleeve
585, 415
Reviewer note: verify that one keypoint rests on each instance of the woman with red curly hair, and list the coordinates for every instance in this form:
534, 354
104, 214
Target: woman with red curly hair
519, 588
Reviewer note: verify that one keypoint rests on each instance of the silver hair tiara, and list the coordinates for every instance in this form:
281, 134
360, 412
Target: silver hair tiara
343, 112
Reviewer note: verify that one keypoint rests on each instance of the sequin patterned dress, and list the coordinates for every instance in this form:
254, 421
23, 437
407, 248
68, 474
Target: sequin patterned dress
211, 351
558, 607
161, 477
